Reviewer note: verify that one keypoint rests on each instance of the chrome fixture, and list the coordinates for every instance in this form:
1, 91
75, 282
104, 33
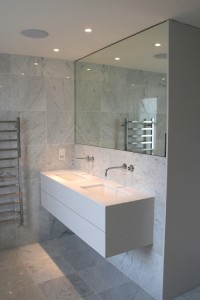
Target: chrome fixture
131, 168
88, 158
124, 166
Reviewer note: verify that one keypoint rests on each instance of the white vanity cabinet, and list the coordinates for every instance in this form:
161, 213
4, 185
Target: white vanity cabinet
109, 218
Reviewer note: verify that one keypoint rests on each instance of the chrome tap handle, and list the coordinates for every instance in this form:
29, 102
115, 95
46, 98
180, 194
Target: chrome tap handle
131, 168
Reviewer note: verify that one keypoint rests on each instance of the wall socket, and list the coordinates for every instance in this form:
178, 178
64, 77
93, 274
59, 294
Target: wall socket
61, 154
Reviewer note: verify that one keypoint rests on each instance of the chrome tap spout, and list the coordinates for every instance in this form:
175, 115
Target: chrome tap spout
124, 166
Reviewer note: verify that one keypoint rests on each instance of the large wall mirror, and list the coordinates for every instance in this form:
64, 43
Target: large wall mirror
121, 94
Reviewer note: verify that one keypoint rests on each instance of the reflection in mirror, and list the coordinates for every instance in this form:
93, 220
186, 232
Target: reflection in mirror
121, 103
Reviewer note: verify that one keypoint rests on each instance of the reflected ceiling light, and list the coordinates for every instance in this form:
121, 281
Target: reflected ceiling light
22, 73
163, 78
88, 69
35, 63
157, 44
88, 30
56, 50
117, 58
35, 33
68, 77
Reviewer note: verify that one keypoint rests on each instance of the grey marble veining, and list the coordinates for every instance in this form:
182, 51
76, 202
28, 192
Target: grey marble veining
4, 63
28, 93
43, 99
5, 93
59, 94
60, 127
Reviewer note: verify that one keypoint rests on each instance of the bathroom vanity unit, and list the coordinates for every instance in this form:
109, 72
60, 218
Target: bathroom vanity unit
110, 218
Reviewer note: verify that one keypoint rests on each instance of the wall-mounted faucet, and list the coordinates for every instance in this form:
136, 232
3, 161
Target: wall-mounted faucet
88, 158
124, 166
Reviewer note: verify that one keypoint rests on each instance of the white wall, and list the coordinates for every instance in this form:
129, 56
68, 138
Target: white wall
182, 239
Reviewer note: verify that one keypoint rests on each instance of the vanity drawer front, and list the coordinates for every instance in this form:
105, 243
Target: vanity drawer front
83, 206
89, 233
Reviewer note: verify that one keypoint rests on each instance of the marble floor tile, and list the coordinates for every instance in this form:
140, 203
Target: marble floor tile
8, 258
73, 243
32, 252
14, 278
63, 265
29, 293
103, 277
84, 259
65, 288
126, 291
93, 297
43, 270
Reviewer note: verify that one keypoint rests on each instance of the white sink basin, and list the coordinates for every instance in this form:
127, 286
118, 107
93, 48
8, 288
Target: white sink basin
71, 176
103, 190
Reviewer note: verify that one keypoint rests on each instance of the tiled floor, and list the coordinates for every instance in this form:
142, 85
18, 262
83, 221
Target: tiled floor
65, 269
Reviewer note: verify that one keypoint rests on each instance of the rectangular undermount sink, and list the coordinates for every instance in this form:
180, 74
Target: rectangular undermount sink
106, 191
111, 218
71, 176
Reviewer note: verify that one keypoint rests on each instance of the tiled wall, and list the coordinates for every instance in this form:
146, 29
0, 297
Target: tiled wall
43, 97
144, 266
106, 95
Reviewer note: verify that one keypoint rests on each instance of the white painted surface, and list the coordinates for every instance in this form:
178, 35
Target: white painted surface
110, 223
182, 237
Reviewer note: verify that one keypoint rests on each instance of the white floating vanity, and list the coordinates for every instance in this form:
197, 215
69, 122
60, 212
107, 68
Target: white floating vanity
110, 218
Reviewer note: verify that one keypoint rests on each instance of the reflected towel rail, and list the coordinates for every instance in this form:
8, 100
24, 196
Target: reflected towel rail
143, 134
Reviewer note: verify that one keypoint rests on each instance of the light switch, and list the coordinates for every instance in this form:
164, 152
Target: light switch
61, 153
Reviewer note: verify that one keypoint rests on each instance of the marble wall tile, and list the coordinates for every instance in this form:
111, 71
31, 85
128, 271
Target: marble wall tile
28, 93
57, 68
115, 74
95, 72
111, 127
33, 127
88, 96
112, 96
42, 134
52, 157
5, 93
59, 94
60, 127
25, 64
87, 127
4, 63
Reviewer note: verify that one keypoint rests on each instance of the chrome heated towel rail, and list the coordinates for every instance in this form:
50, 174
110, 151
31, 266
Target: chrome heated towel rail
11, 200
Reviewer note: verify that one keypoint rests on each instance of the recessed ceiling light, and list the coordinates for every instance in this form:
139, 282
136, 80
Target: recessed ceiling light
157, 44
88, 30
117, 58
35, 33
35, 63
68, 77
88, 69
163, 78
56, 50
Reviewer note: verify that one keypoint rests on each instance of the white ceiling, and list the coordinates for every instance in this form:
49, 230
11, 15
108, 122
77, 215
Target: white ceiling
65, 21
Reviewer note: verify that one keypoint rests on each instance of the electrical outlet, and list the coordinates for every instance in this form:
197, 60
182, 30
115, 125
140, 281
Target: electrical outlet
61, 153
